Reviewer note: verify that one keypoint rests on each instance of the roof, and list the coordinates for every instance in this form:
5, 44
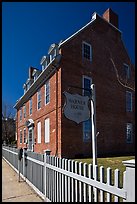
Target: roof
94, 17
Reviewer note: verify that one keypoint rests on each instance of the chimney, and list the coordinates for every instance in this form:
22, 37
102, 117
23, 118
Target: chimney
111, 17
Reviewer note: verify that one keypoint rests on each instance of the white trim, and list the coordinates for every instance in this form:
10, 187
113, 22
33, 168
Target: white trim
23, 135
29, 106
47, 82
94, 17
84, 42
39, 91
47, 130
39, 132
92, 20
20, 137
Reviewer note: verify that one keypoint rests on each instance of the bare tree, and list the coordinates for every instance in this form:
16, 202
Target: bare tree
8, 123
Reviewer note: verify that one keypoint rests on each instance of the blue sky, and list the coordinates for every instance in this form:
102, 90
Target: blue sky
29, 28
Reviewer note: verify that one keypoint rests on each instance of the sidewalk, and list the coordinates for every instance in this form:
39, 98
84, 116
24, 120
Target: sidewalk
14, 191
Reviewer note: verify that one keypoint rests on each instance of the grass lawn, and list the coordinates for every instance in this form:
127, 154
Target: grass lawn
112, 162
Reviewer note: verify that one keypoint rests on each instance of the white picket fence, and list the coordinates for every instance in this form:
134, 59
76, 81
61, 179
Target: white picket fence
71, 181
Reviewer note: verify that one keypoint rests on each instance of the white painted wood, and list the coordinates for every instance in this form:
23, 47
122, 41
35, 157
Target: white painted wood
90, 188
80, 184
72, 182
39, 132
69, 193
116, 181
96, 179
76, 182
84, 185
109, 177
60, 165
57, 180
97, 184
63, 186
124, 183
47, 130
66, 190
102, 198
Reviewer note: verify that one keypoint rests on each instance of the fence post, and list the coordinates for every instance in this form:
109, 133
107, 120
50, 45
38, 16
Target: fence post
24, 162
46, 152
129, 182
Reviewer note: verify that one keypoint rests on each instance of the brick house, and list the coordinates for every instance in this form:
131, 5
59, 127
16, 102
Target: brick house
94, 54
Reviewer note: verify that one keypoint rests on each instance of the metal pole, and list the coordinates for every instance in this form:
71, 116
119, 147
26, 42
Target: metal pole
19, 169
93, 126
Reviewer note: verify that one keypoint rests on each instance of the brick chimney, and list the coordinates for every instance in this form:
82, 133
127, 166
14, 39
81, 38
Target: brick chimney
111, 17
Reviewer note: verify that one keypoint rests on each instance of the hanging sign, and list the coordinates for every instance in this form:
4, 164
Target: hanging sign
76, 107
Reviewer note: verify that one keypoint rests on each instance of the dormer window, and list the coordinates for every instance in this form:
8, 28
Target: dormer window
44, 62
35, 74
53, 51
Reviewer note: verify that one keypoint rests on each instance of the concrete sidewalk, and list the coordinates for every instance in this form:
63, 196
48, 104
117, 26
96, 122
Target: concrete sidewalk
14, 191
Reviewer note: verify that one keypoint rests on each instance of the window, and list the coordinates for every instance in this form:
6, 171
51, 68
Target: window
39, 99
86, 124
20, 136
86, 51
24, 135
126, 71
20, 114
47, 92
47, 131
24, 111
30, 106
129, 132
128, 101
39, 132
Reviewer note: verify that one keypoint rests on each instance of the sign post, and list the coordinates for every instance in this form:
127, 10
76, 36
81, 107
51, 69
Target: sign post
93, 125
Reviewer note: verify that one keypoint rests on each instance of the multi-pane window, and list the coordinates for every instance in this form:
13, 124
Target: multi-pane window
128, 101
24, 135
126, 71
20, 114
129, 132
30, 106
47, 130
47, 92
24, 111
20, 136
39, 99
87, 51
86, 124
39, 132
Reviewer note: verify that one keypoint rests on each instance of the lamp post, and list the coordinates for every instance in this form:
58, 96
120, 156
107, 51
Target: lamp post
93, 125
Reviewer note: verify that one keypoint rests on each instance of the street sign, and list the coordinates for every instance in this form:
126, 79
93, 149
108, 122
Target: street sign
76, 107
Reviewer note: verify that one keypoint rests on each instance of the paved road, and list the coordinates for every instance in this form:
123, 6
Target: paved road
14, 191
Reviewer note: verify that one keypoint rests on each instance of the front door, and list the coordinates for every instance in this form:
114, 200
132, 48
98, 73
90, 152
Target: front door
30, 139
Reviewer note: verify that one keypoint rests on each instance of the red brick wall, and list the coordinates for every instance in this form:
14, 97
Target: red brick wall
111, 112
50, 111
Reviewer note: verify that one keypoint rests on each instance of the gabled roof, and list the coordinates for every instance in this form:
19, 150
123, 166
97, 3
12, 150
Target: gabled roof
94, 17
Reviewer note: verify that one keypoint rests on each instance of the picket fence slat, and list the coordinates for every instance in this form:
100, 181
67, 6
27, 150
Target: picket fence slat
102, 194
70, 181
109, 176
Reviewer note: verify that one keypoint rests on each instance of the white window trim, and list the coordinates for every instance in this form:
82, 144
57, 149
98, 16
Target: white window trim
29, 107
39, 132
47, 132
22, 137
131, 101
83, 42
37, 99
46, 93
